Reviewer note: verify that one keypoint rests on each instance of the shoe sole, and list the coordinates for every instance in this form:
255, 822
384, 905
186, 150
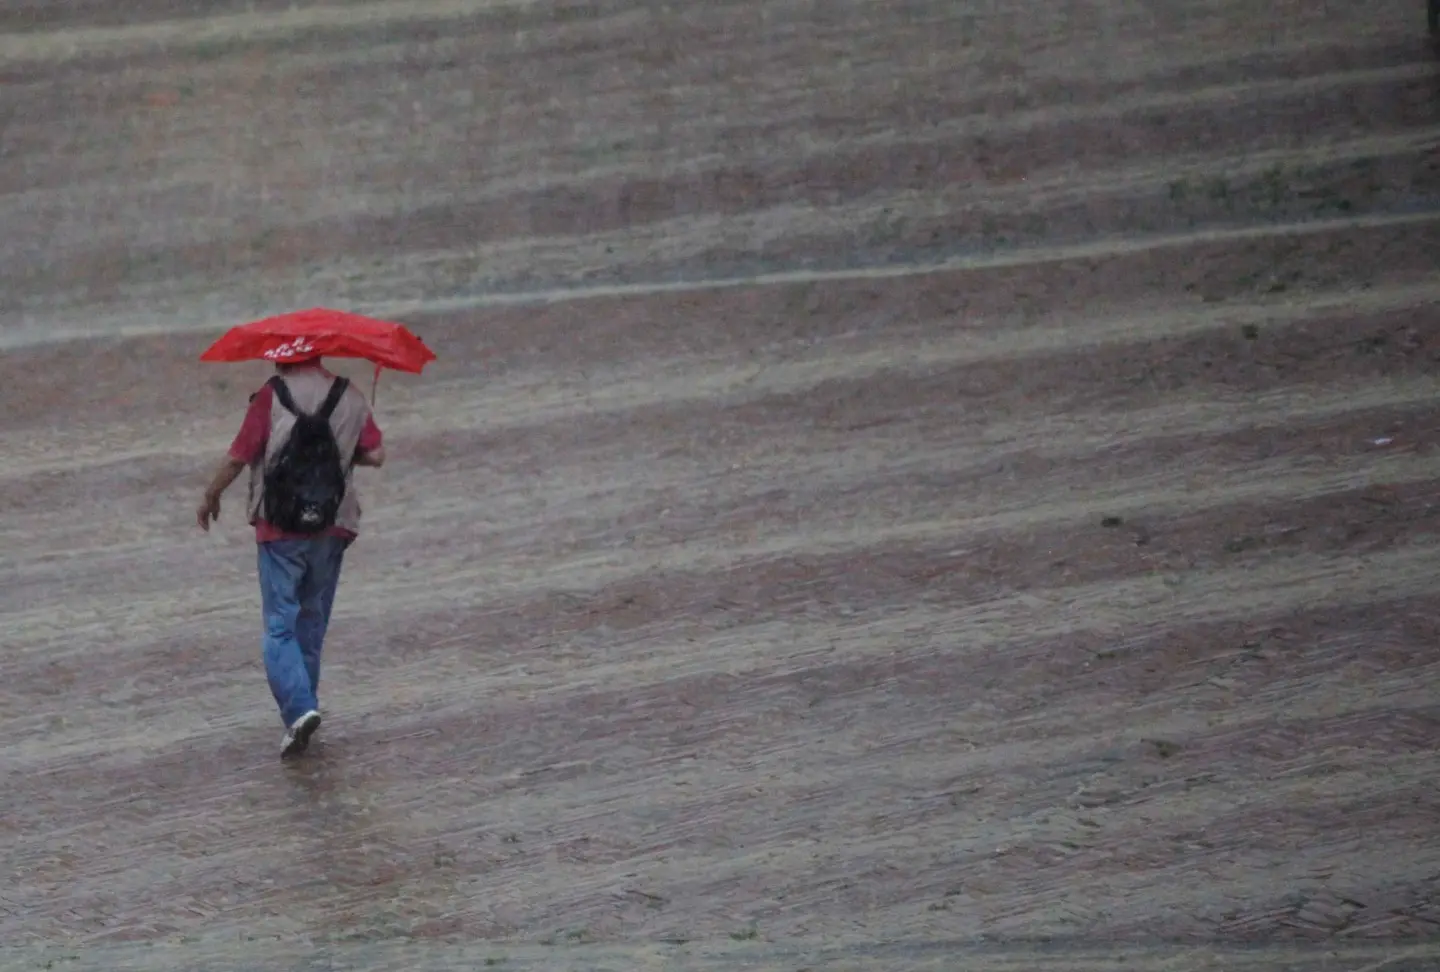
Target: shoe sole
300, 735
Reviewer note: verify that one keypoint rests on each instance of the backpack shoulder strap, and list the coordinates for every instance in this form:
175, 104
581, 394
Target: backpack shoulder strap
282, 394
337, 391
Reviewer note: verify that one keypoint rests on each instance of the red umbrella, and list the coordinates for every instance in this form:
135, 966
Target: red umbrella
320, 332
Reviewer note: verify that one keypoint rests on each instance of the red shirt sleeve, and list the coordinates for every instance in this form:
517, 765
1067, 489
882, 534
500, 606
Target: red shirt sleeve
370, 438
249, 444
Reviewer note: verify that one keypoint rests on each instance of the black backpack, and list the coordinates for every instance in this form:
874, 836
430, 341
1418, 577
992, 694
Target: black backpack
305, 481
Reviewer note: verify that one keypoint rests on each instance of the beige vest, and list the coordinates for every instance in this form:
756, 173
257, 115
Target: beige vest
309, 386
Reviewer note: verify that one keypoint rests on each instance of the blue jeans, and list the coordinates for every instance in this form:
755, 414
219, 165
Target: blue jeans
297, 589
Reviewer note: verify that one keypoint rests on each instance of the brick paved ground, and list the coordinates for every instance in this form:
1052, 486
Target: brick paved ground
1041, 560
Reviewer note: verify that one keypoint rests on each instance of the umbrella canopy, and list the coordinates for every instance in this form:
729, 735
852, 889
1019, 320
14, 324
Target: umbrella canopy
321, 332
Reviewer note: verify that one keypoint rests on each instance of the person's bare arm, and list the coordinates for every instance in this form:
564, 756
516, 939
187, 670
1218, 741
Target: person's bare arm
225, 474
374, 457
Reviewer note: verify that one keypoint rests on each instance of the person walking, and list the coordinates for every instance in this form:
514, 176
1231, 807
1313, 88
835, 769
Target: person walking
305, 511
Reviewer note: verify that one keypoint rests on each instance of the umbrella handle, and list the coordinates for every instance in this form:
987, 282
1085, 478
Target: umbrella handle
375, 386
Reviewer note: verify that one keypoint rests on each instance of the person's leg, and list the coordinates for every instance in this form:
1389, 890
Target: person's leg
282, 568
317, 597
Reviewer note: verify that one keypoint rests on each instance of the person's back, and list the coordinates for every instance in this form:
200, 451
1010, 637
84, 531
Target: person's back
299, 571
351, 419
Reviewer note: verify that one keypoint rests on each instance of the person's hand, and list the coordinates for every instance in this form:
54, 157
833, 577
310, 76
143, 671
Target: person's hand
209, 509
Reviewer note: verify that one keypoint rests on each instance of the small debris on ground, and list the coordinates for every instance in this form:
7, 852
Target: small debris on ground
1164, 748
1241, 544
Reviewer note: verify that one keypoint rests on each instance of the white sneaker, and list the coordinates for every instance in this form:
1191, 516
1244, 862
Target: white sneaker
297, 737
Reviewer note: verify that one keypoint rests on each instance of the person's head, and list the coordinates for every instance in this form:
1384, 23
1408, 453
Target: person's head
285, 367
